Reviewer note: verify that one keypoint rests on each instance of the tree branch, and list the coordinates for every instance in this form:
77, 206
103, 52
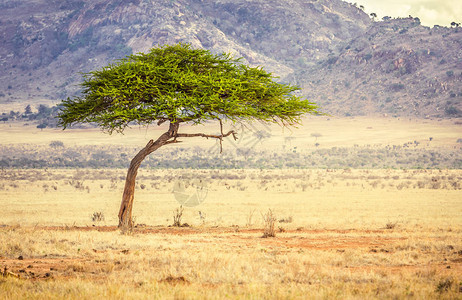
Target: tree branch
213, 136
164, 139
221, 138
161, 121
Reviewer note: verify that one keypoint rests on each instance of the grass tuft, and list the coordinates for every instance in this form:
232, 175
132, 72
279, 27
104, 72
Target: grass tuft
177, 215
97, 216
269, 221
444, 285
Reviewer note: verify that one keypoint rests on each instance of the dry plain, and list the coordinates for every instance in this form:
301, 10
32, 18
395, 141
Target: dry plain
340, 233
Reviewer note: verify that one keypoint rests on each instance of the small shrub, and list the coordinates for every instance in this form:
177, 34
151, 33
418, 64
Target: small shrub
395, 87
56, 144
444, 285
286, 220
436, 185
269, 221
97, 217
41, 126
202, 216
177, 214
77, 184
451, 110
391, 225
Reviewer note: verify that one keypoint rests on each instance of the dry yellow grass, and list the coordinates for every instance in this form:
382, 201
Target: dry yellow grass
335, 132
347, 234
315, 198
340, 234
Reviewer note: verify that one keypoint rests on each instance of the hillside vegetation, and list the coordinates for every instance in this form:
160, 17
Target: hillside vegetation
343, 59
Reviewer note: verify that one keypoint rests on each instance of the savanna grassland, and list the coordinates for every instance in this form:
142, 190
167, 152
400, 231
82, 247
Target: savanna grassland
340, 233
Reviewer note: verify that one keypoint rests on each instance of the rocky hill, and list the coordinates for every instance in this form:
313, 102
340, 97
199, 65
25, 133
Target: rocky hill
333, 50
396, 67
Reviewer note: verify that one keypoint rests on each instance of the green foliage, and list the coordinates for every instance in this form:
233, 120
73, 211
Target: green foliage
180, 84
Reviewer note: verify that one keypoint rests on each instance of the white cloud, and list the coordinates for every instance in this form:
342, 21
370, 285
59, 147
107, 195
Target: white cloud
430, 12
431, 16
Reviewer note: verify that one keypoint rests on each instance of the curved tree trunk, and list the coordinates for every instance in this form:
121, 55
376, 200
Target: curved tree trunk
125, 212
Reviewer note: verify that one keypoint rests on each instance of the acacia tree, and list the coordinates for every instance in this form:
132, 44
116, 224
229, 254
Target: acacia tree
178, 84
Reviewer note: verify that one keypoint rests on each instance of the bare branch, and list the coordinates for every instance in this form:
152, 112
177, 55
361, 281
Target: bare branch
221, 138
213, 136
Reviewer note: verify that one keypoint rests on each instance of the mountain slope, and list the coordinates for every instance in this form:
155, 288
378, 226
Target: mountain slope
46, 43
396, 67
332, 49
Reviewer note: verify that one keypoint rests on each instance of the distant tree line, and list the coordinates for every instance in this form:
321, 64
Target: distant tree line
57, 155
44, 116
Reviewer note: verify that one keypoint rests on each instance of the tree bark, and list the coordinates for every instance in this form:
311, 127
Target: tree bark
125, 212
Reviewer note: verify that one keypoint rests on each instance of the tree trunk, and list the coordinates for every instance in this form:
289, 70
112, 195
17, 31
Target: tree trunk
125, 212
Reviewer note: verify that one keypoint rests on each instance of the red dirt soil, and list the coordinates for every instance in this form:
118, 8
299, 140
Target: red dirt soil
45, 267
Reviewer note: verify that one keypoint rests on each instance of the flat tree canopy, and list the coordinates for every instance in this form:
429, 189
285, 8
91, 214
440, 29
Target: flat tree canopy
181, 84
178, 84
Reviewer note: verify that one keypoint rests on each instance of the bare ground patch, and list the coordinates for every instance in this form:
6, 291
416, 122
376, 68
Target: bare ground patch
97, 263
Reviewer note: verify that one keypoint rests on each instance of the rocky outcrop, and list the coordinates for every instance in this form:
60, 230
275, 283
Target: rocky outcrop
396, 67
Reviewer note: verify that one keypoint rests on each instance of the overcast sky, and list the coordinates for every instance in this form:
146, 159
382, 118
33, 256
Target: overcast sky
430, 12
